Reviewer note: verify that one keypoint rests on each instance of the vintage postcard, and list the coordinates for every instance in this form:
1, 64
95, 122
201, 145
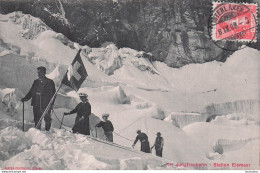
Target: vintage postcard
129, 85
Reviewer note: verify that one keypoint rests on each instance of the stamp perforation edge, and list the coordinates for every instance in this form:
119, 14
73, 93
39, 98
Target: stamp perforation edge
213, 30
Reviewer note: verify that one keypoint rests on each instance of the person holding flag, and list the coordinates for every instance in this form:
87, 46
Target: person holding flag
41, 93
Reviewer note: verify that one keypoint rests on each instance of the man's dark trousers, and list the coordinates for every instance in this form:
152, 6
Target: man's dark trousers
38, 111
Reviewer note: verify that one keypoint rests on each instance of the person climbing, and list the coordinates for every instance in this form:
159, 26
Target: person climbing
107, 127
83, 110
145, 146
41, 93
158, 144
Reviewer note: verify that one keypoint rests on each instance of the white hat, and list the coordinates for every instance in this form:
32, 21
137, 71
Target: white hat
105, 115
83, 95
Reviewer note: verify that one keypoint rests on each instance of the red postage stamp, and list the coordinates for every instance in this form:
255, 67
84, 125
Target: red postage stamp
234, 21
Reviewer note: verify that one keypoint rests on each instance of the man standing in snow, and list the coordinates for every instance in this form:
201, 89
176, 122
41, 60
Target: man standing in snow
41, 93
158, 144
83, 110
107, 127
145, 146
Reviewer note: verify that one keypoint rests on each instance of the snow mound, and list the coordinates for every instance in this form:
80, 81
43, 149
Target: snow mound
226, 145
76, 159
52, 49
12, 142
158, 113
119, 96
109, 59
35, 158
181, 119
240, 106
224, 139
243, 116
40, 138
136, 163
64, 101
31, 26
106, 59
249, 154
10, 101
4, 123
227, 121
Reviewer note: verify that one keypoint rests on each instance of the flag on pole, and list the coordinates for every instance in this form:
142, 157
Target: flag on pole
74, 77
76, 73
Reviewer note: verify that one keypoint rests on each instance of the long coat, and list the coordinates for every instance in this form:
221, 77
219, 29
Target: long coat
46, 92
82, 125
145, 146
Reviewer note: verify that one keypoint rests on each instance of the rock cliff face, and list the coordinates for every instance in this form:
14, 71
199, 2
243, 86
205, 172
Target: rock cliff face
173, 31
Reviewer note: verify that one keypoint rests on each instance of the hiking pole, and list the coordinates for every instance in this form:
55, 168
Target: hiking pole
96, 131
23, 116
91, 131
61, 121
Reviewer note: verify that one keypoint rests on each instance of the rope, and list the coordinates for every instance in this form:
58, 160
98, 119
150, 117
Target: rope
131, 124
122, 136
123, 147
60, 120
117, 145
114, 144
131, 150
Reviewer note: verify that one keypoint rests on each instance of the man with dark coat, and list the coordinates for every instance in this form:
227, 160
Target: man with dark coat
107, 127
145, 146
83, 110
158, 144
41, 93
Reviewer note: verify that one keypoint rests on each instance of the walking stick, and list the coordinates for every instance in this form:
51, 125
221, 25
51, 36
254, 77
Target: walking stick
61, 121
96, 131
23, 116
91, 131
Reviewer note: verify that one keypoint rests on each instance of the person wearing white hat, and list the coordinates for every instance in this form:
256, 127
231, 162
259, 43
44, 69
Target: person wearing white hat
158, 144
107, 127
83, 110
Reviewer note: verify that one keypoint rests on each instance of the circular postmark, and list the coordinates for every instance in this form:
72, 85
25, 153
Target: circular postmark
232, 25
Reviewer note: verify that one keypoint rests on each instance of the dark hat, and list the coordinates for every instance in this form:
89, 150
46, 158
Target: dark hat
138, 131
41, 68
158, 133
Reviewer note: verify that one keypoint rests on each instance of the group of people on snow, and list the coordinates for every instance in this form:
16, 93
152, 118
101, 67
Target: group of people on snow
41, 94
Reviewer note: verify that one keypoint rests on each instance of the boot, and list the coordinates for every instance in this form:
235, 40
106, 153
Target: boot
47, 126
